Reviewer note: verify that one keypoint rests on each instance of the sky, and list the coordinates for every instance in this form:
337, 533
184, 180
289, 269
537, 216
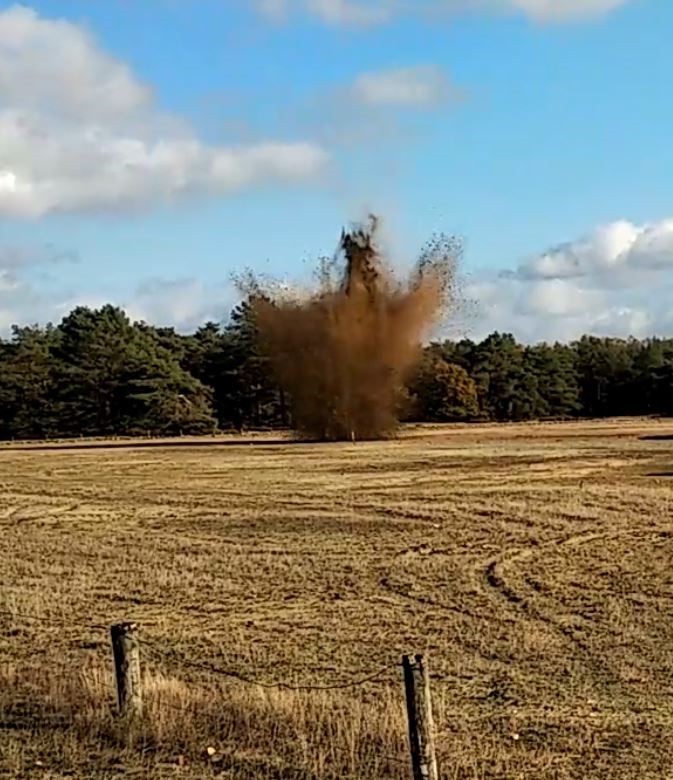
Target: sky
150, 150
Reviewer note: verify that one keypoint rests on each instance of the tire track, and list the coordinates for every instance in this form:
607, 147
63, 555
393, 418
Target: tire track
493, 574
495, 579
495, 582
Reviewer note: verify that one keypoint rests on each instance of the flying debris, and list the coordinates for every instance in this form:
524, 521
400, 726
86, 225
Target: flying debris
342, 350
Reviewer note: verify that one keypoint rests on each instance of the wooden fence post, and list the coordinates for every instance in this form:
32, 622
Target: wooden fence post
126, 651
419, 715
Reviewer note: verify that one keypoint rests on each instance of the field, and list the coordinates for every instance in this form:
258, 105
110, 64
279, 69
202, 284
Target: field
532, 564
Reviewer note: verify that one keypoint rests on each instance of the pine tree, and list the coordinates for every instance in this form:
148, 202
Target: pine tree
118, 378
254, 395
28, 384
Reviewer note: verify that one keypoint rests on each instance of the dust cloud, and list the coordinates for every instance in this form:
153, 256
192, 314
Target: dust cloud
343, 349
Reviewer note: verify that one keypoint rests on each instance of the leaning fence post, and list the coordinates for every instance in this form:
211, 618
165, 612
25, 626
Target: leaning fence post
419, 715
126, 651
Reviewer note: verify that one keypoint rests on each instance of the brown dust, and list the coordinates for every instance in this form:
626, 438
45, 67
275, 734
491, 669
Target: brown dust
343, 350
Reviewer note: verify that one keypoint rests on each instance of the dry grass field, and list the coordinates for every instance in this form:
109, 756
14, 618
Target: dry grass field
533, 564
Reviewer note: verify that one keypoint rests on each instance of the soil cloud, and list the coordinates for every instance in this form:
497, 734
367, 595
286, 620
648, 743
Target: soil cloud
342, 350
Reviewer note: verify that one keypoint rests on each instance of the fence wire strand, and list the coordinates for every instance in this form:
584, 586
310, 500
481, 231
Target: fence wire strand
58, 622
208, 667
243, 678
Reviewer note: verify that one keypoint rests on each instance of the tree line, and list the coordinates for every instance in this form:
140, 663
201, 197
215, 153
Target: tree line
97, 373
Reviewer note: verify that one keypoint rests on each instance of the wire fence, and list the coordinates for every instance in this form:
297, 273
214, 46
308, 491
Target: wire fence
501, 709
57, 622
14, 619
285, 686
156, 651
172, 656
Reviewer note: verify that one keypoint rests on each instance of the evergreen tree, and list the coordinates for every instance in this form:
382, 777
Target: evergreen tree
605, 373
254, 395
213, 358
28, 384
556, 390
499, 375
97, 373
117, 378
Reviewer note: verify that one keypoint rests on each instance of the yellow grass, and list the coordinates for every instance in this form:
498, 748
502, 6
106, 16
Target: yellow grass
533, 564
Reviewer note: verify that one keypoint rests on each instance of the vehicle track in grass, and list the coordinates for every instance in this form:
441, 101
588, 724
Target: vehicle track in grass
531, 602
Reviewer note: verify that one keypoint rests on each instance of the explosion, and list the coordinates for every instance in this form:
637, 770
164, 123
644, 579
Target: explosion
343, 350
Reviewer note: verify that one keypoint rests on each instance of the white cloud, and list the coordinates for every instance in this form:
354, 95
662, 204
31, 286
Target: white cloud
561, 298
615, 281
183, 303
55, 65
24, 297
349, 11
30, 293
335, 12
369, 12
618, 250
418, 86
78, 131
653, 247
562, 10
632, 302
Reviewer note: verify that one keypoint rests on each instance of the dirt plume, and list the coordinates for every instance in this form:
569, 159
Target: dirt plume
343, 350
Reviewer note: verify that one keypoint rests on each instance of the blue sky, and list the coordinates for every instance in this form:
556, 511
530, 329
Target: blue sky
149, 149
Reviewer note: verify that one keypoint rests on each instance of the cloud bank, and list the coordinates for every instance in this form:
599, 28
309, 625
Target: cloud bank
79, 131
615, 281
31, 292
